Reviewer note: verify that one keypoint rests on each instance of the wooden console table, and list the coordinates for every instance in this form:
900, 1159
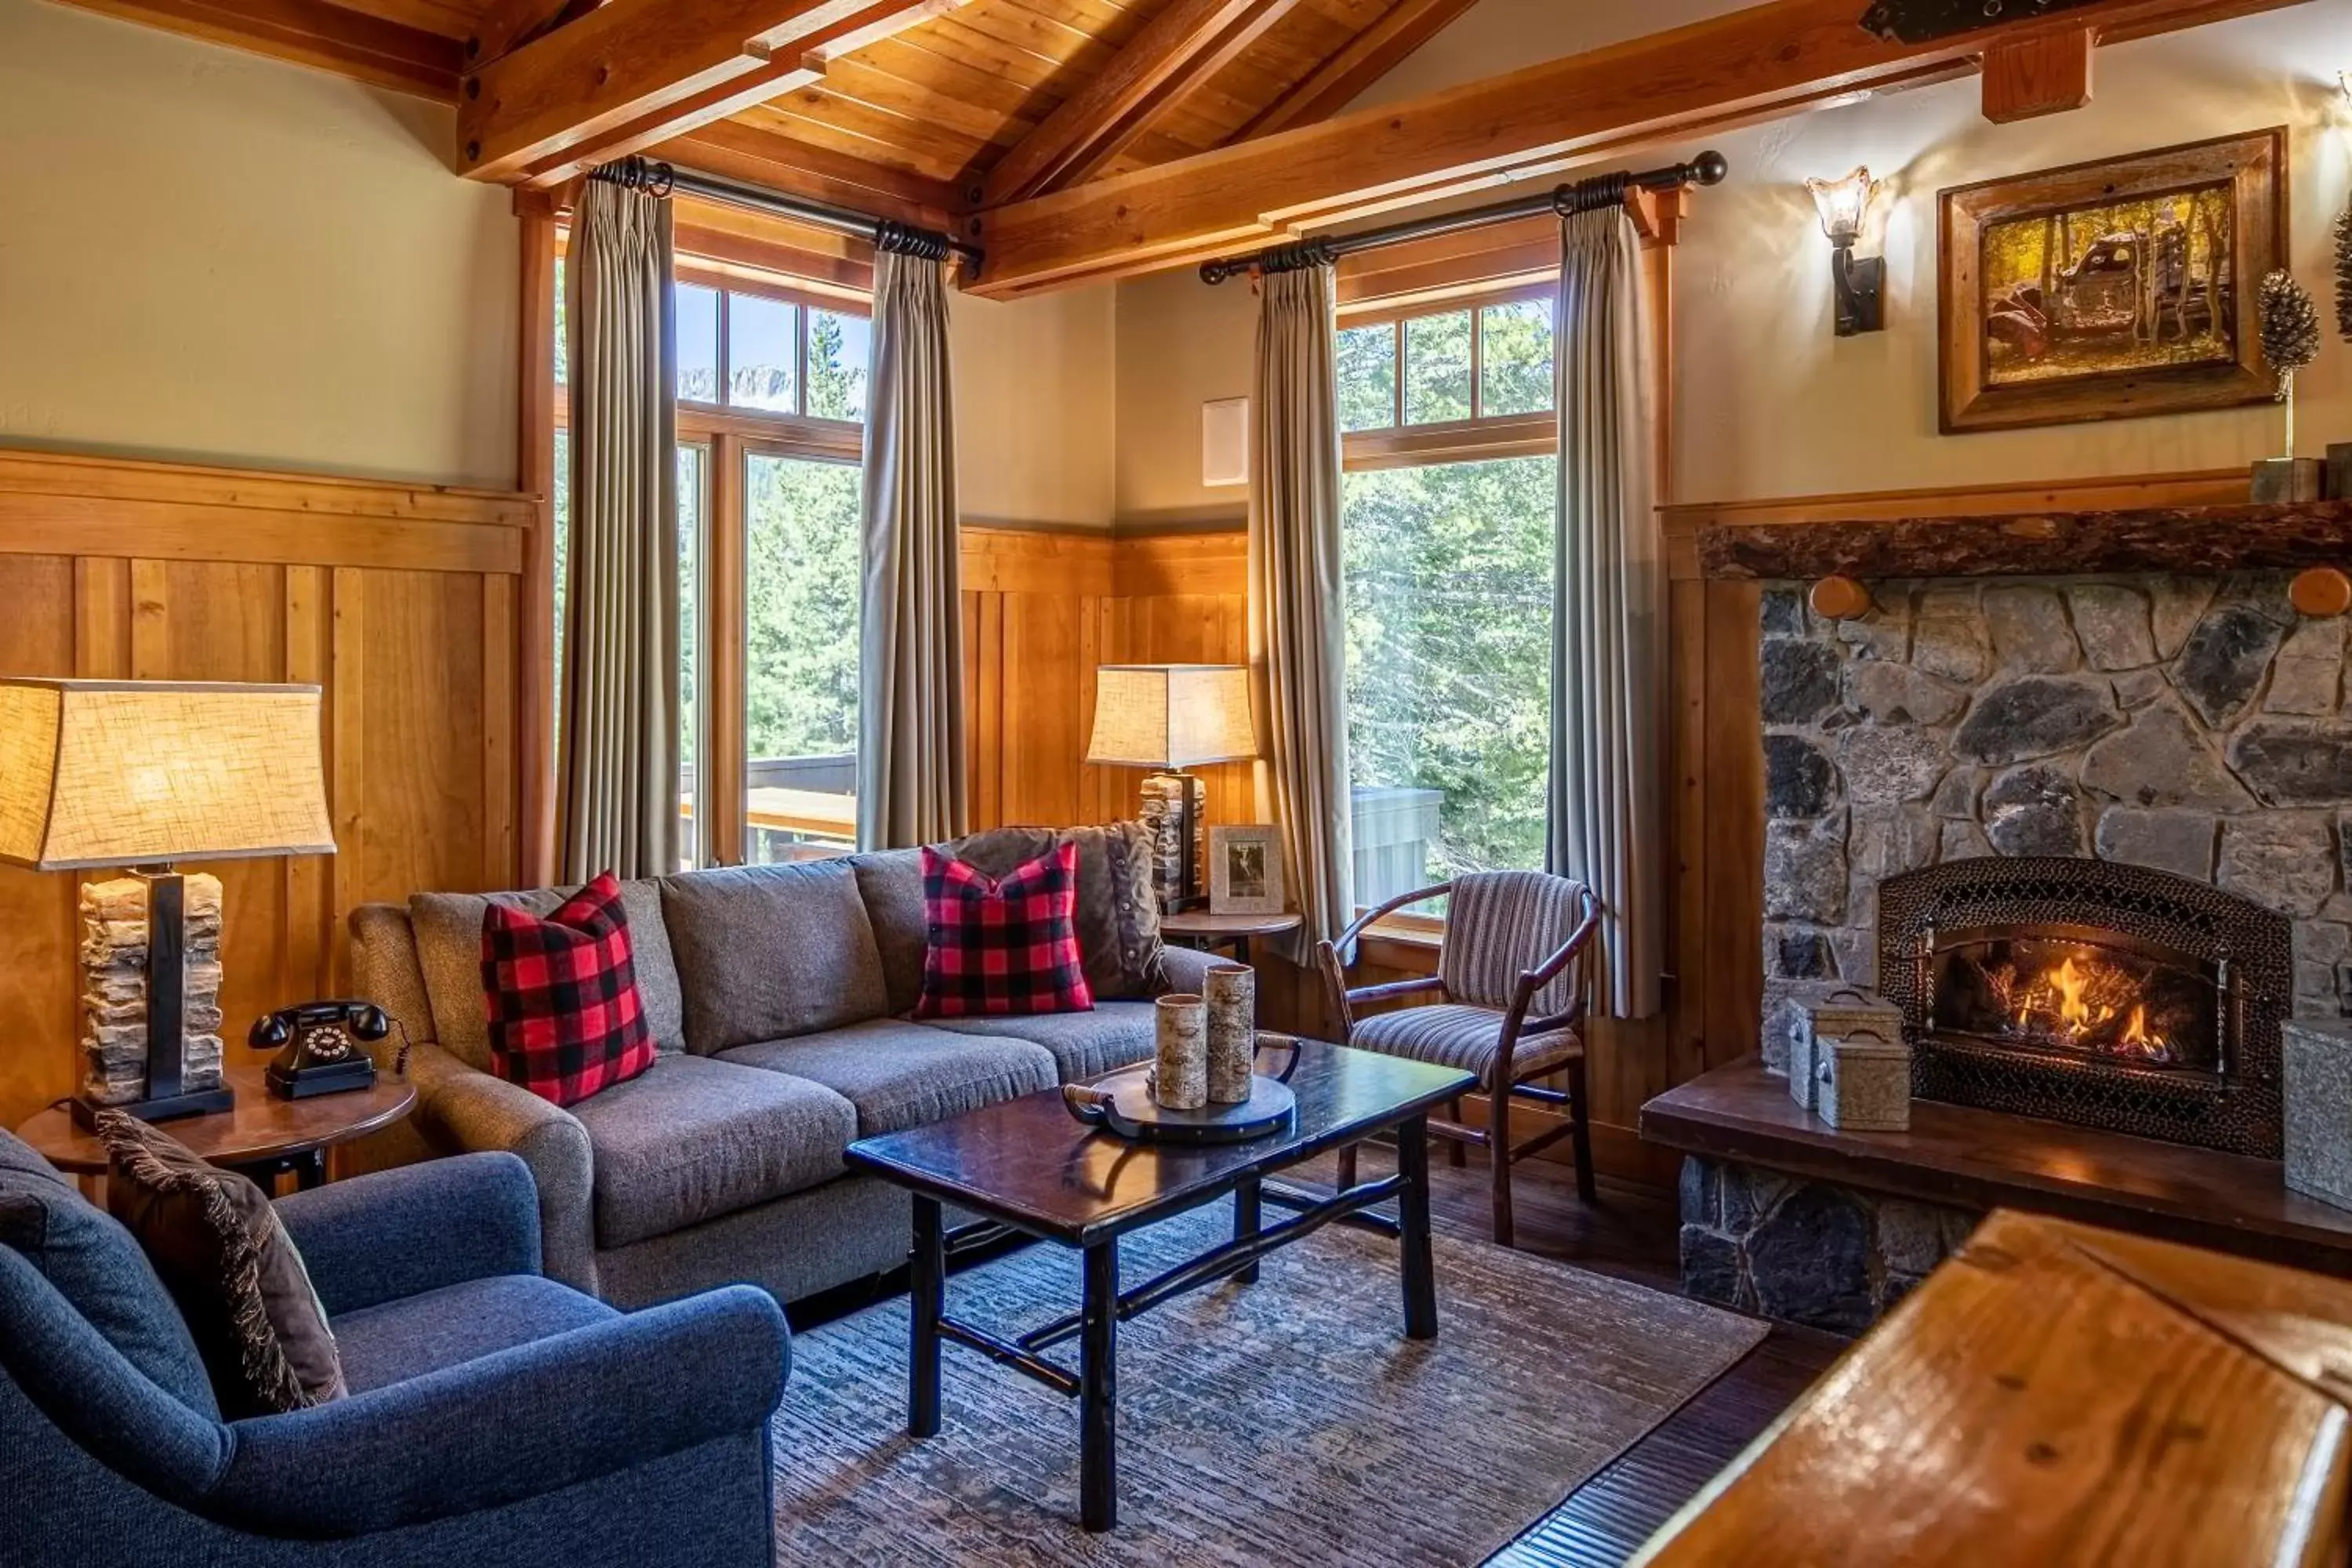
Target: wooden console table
2058, 1394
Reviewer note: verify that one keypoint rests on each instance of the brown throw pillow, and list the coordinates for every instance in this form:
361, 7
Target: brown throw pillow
215, 1240
1117, 914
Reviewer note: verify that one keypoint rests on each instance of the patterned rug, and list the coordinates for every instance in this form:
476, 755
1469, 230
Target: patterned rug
1287, 1422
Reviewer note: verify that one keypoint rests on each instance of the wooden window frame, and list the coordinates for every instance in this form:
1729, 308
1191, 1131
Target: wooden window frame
1401, 445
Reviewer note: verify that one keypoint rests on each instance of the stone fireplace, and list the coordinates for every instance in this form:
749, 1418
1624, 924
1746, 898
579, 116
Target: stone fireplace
2186, 732
2075, 794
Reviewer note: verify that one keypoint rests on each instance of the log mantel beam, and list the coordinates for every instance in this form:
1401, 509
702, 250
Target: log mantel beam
1755, 64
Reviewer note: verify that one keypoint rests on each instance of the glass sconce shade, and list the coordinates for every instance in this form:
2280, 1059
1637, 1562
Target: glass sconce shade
1844, 204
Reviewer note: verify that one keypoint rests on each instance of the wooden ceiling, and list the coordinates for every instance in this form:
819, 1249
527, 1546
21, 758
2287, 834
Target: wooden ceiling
1080, 140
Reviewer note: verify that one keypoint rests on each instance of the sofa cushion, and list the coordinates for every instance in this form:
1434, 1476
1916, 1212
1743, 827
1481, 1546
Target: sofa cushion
891, 883
1001, 947
768, 951
408, 1338
906, 1074
1084, 1044
566, 1018
96, 1265
448, 928
693, 1139
1117, 915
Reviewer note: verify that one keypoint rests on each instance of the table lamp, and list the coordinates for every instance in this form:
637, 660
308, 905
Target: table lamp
1170, 718
140, 774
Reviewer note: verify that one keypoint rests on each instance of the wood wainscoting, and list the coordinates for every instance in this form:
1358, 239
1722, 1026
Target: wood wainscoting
399, 600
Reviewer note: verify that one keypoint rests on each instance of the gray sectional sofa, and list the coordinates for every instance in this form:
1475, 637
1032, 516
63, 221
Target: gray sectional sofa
779, 998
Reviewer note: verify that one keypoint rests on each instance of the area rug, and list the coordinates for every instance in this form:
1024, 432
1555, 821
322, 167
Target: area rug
1286, 1421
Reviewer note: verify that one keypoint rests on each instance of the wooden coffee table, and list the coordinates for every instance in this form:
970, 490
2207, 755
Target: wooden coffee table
1028, 1166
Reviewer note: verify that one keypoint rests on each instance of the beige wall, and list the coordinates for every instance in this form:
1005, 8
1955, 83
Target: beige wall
1180, 343
210, 256
1769, 402
1036, 414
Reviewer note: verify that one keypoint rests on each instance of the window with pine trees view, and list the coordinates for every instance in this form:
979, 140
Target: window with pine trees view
1449, 591
772, 397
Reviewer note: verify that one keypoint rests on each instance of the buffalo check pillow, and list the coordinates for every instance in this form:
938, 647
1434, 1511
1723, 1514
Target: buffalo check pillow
1002, 945
564, 1015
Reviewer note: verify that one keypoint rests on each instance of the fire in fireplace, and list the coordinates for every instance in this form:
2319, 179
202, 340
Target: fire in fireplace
2083, 991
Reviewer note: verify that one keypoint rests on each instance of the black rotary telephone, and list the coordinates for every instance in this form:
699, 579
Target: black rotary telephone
321, 1047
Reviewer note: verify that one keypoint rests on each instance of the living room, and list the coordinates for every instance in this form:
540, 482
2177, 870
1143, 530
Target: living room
1231, 781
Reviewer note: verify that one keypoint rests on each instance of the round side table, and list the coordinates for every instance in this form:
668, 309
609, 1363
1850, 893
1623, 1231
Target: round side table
261, 1136
1208, 933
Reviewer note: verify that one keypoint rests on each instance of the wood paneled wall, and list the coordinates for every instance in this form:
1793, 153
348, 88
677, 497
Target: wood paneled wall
400, 601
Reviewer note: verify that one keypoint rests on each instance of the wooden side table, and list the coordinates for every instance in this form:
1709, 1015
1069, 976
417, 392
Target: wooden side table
262, 1136
1199, 928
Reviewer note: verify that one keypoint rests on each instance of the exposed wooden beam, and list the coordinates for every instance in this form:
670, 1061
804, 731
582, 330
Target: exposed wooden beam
1355, 65
634, 71
1176, 51
507, 25
1754, 64
2033, 76
311, 33
738, 152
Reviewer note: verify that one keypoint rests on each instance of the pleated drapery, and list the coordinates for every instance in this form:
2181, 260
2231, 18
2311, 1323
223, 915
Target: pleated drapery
910, 764
1297, 640
1604, 817
617, 784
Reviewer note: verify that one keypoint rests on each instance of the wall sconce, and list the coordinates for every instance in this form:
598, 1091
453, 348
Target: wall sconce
1861, 282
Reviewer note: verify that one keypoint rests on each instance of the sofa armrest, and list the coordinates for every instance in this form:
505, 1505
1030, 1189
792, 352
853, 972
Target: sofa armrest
402, 1232
519, 1423
1188, 968
460, 1108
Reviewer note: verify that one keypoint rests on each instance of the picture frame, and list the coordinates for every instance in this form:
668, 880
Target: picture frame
2113, 289
1245, 869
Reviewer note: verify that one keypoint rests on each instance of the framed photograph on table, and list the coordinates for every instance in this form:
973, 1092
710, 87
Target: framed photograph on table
2113, 289
1245, 869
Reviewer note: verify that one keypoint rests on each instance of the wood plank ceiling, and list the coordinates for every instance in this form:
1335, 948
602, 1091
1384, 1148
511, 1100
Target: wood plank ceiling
937, 101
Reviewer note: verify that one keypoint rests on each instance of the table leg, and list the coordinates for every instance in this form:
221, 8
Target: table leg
1098, 1390
1246, 1210
310, 1170
1241, 950
927, 1292
1413, 1212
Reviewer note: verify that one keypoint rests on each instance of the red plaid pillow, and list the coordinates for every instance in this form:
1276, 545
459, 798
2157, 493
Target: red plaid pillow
1002, 945
566, 1017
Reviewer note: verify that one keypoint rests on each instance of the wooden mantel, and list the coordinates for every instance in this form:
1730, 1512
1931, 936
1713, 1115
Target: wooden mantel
2198, 541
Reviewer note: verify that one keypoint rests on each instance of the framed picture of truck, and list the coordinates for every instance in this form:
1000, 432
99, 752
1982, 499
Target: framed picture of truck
2110, 291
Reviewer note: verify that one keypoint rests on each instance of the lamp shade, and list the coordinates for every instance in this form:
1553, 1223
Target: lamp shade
1172, 715
135, 772
1844, 204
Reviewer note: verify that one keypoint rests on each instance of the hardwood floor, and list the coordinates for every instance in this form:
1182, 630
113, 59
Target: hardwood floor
1631, 1234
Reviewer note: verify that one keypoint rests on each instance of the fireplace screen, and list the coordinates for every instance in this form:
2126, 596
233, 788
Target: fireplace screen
2083, 991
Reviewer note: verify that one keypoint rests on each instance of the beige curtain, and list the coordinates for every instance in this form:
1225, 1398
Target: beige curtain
1296, 627
1605, 816
617, 792
911, 761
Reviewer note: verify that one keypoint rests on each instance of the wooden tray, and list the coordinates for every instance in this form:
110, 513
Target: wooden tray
1122, 1104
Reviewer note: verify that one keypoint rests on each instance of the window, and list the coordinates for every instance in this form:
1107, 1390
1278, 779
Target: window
1448, 560
771, 396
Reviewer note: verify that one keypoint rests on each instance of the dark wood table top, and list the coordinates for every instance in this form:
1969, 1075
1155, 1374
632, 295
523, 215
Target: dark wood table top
1031, 1162
1198, 923
260, 1126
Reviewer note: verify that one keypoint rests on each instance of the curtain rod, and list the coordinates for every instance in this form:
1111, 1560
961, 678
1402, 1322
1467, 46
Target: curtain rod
1593, 194
888, 234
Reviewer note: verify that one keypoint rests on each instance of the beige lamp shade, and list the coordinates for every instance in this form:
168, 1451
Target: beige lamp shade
1172, 715
135, 772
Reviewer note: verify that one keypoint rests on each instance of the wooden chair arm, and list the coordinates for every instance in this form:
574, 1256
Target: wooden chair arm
1335, 972
1363, 923
1533, 981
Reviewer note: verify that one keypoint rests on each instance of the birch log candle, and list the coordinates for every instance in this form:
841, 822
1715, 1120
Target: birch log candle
1232, 993
1181, 1077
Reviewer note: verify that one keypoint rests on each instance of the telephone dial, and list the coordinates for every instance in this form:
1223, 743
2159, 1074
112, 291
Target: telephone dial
322, 1047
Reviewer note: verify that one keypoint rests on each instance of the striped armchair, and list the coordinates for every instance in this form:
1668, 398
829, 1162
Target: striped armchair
1510, 990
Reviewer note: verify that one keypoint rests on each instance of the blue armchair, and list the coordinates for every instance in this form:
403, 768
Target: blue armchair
495, 1416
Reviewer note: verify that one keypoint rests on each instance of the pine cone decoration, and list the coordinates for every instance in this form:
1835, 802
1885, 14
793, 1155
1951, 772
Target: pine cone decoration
2344, 274
2290, 327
